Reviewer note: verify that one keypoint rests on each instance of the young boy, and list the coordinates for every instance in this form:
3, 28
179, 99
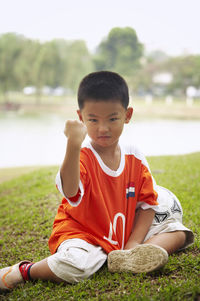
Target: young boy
112, 208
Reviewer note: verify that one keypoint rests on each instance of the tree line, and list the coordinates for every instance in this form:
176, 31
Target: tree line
25, 62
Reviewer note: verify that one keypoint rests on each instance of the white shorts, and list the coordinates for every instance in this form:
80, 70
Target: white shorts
76, 259
168, 217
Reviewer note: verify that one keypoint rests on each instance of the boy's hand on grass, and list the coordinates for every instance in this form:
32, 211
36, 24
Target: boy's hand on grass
75, 131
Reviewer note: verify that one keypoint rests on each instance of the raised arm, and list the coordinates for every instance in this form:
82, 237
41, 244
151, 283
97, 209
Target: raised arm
75, 131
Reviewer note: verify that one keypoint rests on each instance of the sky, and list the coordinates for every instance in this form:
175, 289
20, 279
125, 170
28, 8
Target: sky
171, 25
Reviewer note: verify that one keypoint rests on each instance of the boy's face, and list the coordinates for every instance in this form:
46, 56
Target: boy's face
104, 121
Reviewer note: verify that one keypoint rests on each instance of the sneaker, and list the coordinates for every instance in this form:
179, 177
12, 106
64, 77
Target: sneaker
11, 276
143, 258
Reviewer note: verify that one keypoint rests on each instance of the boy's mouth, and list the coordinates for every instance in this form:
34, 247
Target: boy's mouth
103, 137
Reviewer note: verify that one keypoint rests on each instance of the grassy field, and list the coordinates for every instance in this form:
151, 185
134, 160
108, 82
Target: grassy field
28, 205
7, 174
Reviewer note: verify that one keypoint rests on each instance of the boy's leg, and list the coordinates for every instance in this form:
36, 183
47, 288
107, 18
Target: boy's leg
151, 255
166, 235
74, 261
41, 270
171, 241
25, 271
167, 230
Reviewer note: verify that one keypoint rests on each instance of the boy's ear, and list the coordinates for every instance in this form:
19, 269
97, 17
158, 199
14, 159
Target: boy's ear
129, 113
79, 115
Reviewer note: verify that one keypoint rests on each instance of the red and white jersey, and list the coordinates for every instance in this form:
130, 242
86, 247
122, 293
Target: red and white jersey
103, 211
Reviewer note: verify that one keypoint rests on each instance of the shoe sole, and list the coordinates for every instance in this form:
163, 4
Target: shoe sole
143, 258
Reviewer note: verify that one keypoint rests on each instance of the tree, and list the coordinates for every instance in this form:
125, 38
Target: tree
25, 63
61, 63
156, 56
17, 56
48, 66
10, 50
120, 52
78, 63
186, 72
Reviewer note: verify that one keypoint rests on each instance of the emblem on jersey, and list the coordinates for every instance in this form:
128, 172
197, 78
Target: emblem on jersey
175, 207
130, 190
161, 216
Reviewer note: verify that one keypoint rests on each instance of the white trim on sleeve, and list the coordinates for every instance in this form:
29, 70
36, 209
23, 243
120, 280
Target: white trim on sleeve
59, 186
146, 206
59, 183
75, 204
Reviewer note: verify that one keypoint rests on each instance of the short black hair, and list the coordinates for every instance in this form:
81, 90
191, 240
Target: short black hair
103, 85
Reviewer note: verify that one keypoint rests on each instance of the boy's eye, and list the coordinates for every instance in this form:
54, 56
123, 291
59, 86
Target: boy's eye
92, 120
113, 119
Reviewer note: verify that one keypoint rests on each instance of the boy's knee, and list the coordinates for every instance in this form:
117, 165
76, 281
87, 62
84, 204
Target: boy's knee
181, 237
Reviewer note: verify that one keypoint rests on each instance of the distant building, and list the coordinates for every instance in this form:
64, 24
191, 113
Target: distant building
164, 78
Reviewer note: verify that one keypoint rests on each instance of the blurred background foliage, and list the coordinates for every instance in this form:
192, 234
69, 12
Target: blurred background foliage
57, 66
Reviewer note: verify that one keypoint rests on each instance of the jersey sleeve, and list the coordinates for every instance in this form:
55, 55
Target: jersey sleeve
147, 194
75, 200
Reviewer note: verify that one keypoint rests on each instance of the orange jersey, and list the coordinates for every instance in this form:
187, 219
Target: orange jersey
103, 211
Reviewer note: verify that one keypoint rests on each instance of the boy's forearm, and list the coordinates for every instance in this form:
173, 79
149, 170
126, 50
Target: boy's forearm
70, 169
143, 221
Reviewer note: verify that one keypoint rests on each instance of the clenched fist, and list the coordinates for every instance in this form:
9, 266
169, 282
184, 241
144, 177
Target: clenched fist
75, 131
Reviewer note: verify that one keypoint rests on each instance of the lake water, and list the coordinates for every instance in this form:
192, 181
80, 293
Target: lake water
40, 141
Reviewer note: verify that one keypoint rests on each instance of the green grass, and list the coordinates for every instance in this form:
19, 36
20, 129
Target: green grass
13, 172
28, 205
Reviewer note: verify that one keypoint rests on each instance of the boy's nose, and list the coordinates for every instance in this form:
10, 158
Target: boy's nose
103, 128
